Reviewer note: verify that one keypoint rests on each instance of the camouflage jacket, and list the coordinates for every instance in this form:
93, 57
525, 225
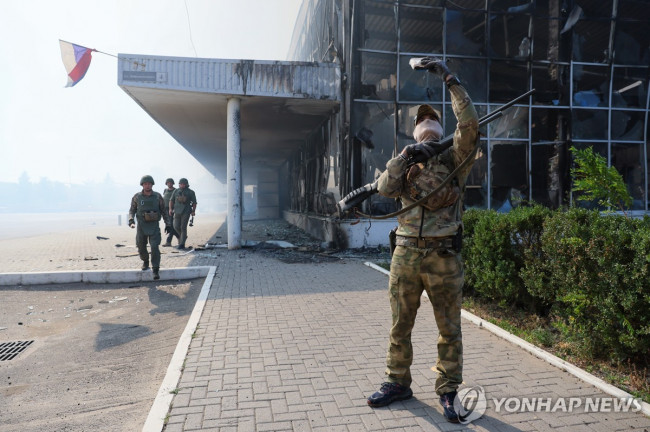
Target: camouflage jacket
445, 221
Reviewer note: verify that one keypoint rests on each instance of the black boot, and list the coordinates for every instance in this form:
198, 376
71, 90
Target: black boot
145, 265
156, 276
388, 393
447, 402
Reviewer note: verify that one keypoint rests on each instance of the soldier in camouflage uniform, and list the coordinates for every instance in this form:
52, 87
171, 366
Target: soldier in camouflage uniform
148, 207
427, 253
182, 205
167, 195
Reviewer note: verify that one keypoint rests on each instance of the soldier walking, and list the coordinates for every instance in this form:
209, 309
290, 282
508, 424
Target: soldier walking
167, 195
182, 205
148, 207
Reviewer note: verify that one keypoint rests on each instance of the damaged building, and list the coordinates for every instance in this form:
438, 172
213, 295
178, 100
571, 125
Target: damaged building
295, 136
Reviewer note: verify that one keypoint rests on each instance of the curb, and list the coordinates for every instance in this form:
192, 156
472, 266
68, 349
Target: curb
100, 276
540, 353
160, 407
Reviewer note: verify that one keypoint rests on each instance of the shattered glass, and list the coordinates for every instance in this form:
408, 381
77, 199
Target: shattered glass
588, 124
509, 175
590, 86
476, 190
378, 26
420, 30
509, 36
378, 77
512, 124
471, 73
508, 79
417, 85
548, 125
630, 87
628, 161
466, 32
551, 84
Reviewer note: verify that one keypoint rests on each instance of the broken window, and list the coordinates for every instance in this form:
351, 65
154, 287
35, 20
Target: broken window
476, 184
548, 44
631, 43
551, 84
508, 80
378, 26
549, 125
588, 124
417, 85
512, 124
472, 74
378, 76
549, 174
590, 86
630, 87
465, 30
627, 125
509, 36
628, 161
420, 29
509, 175
591, 41
373, 131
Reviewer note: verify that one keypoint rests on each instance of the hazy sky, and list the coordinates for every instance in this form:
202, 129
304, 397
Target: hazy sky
94, 129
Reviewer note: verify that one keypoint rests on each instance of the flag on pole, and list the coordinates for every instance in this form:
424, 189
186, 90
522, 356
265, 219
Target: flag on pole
76, 60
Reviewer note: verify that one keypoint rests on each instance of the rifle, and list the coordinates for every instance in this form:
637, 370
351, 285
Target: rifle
359, 195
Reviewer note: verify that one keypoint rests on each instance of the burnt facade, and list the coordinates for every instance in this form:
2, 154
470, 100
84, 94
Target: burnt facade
588, 61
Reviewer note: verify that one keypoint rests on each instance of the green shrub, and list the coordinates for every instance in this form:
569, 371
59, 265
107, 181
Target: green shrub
592, 272
497, 248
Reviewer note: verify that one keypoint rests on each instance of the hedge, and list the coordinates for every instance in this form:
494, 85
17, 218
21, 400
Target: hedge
590, 271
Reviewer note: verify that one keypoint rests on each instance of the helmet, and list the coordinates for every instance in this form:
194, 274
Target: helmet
183, 181
426, 110
169, 180
146, 179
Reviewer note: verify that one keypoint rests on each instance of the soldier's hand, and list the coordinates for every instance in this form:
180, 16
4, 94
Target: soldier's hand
419, 152
131, 223
433, 65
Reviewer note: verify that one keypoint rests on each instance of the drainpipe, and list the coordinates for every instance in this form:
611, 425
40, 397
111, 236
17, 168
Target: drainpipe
233, 168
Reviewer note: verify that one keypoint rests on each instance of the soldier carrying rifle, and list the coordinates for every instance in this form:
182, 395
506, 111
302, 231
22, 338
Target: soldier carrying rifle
427, 242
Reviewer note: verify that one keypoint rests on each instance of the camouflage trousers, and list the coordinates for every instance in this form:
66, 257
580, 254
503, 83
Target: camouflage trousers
180, 226
141, 240
439, 273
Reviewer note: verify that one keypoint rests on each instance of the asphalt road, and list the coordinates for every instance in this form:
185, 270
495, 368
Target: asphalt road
98, 357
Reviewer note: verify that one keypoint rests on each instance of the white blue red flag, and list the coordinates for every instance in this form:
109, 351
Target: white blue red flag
76, 59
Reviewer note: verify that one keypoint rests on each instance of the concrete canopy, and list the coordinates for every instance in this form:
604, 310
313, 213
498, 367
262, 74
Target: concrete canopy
281, 103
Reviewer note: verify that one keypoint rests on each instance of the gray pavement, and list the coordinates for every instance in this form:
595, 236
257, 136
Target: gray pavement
299, 345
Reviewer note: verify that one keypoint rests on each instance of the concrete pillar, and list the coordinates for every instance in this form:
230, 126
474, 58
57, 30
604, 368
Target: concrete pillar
234, 177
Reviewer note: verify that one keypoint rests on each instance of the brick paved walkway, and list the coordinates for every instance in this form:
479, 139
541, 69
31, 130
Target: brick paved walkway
299, 347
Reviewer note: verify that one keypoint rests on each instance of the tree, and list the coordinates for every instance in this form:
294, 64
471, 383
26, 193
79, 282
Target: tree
597, 181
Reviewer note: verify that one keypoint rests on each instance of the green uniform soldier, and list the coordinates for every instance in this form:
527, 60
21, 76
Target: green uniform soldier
427, 253
167, 195
182, 205
148, 207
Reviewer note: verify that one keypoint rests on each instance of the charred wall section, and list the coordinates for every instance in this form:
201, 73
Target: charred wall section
588, 61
